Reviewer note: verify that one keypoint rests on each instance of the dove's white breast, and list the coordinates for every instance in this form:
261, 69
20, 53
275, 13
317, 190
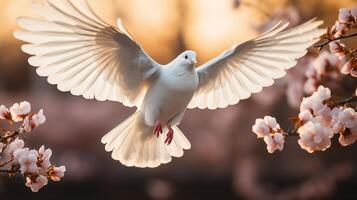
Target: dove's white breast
170, 94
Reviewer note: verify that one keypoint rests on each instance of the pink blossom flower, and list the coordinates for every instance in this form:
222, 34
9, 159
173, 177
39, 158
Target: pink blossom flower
274, 142
28, 125
260, 128
34, 121
39, 118
322, 94
350, 67
19, 111
345, 15
348, 138
271, 122
305, 116
27, 160
15, 145
315, 104
337, 126
339, 29
354, 13
20, 153
56, 173
314, 136
5, 113
266, 126
37, 184
348, 117
338, 49
44, 157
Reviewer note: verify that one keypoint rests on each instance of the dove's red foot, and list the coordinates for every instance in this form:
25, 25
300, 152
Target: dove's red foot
169, 136
157, 128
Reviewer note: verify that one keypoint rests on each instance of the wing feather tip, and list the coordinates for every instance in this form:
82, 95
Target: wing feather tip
17, 34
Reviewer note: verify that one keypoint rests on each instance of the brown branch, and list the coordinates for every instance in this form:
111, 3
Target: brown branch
5, 163
12, 171
329, 40
14, 134
292, 132
352, 99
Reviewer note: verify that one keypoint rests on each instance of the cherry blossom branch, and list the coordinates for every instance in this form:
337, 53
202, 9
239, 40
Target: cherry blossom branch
318, 121
352, 99
11, 135
33, 165
329, 40
5, 163
12, 171
292, 132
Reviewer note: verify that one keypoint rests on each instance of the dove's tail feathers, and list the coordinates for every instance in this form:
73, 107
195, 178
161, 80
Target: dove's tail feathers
134, 144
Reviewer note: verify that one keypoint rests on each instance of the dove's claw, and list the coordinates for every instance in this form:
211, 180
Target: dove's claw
157, 128
169, 136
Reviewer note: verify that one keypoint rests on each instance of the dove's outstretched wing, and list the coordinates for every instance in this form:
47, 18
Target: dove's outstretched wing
82, 54
247, 68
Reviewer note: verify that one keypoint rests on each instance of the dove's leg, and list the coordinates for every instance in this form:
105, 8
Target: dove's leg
169, 135
152, 115
157, 128
173, 122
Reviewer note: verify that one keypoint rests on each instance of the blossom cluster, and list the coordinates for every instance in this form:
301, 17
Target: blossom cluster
318, 121
270, 131
325, 66
347, 20
34, 165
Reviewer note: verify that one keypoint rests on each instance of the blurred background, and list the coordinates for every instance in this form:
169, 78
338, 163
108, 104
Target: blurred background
226, 160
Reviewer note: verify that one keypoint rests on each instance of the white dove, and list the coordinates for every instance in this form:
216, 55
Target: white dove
82, 54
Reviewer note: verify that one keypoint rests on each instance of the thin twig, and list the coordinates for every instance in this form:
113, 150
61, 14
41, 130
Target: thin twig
4, 139
352, 99
9, 171
4, 164
292, 132
329, 40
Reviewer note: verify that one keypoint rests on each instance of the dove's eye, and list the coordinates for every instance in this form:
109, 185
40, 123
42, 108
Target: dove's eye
186, 57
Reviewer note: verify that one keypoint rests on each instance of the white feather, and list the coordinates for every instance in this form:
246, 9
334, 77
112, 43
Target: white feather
134, 144
69, 46
254, 64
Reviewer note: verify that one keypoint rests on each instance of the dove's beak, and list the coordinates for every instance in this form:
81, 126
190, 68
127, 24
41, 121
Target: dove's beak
193, 61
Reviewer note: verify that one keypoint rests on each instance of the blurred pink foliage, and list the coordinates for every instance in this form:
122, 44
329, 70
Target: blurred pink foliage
321, 116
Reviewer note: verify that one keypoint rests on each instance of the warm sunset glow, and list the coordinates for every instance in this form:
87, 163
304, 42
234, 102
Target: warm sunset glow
208, 26
214, 25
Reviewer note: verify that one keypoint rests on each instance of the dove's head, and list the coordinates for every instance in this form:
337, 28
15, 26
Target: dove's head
187, 58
